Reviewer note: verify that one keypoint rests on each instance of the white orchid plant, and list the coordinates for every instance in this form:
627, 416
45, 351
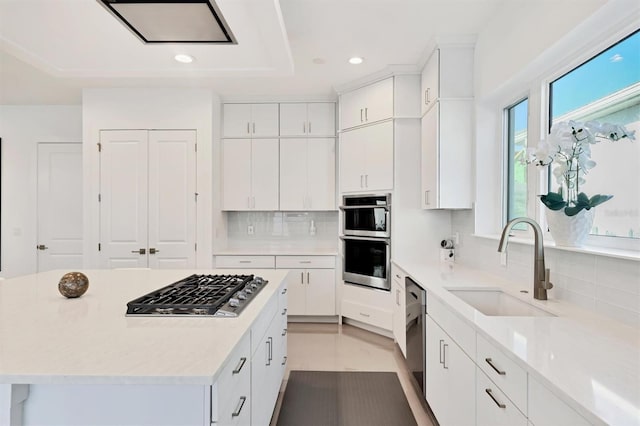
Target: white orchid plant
569, 145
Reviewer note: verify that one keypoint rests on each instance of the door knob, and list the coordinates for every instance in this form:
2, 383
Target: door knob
41, 247
153, 250
140, 251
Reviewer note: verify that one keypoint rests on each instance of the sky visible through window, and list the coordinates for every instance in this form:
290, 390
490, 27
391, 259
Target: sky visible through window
612, 70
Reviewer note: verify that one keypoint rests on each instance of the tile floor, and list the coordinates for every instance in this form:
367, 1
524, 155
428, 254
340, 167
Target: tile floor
333, 347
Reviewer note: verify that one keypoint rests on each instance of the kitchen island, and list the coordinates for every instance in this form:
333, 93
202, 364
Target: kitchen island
82, 361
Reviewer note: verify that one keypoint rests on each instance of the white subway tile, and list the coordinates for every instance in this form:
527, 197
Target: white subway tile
618, 313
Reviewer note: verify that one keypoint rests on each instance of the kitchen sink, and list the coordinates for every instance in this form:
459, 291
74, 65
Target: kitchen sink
498, 303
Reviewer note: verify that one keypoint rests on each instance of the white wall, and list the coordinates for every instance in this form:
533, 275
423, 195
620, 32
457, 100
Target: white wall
150, 109
21, 129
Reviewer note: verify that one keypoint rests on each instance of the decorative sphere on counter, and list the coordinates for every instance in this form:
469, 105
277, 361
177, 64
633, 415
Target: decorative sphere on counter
73, 284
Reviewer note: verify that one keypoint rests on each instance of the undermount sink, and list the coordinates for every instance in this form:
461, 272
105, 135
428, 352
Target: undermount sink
499, 303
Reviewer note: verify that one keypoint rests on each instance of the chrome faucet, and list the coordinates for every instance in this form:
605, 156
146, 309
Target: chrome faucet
540, 274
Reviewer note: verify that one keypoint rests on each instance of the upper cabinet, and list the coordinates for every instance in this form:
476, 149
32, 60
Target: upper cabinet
447, 74
250, 120
367, 105
308, 119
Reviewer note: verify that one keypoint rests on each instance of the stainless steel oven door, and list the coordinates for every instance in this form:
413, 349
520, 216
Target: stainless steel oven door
366, 221
366, 261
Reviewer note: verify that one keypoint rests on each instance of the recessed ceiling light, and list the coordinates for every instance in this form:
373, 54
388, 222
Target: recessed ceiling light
318, 61
356, 60
183, 58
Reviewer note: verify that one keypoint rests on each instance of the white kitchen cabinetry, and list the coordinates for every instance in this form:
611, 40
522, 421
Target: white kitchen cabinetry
367, 105
450, 373
493, 407
311, 284
308, 119
546, 409
234, 386
268, 358
250, 120
250, 174
307, 174
446, 155
366, 158
399, 308
447, 74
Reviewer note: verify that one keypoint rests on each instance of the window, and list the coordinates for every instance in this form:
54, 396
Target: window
606, 88
516, 126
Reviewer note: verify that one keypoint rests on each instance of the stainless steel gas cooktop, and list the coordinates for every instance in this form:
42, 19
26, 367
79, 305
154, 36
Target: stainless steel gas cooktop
201, 295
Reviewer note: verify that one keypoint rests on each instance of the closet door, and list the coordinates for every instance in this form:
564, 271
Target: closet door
172, 199
123, 195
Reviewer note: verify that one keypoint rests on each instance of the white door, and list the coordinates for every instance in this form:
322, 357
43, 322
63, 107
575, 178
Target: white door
293, 174
265, 174
236, 174
148, 198
296, 292
429, 159
378, 101
378, 142
172, 199
321, 174
321, 119
59, 206
123, 193
321, 291
351, 161
293, 119
236, 120
264, 120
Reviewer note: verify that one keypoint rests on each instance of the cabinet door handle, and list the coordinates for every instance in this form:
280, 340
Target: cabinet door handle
426, 197
428, 94
361, 180
304, 127
309, 127
490, 362
269, 344
254, 128
248, 131
440, 351
284, 291
444, 356
284, 332
366, 181
488, 391
301, 277
284, 311
239, 407
361, 115
308, 280
425, 97
244, 261
366, 115
284, 360
239, 366
305, 261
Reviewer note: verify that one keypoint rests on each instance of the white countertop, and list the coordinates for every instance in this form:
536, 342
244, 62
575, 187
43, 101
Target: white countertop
46, 338
591, 361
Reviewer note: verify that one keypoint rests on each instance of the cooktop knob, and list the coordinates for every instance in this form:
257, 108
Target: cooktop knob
241, 295
248, 290
234, 303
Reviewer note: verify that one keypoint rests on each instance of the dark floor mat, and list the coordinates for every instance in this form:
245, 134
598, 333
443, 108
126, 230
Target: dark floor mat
332, 398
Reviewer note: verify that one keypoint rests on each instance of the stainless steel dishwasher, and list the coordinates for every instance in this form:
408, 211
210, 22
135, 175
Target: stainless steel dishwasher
416, 298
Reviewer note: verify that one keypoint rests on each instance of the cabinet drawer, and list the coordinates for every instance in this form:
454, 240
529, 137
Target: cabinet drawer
377, 317
546, 409
493, 406
302, 262
505, 373
236, 374
398, 274
236, 411
463, 334
262, 323
245, 262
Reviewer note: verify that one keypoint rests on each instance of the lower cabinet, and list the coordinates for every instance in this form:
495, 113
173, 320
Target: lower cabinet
492, 405
399, 308
268, 358
311, 284
234, 386
450, 390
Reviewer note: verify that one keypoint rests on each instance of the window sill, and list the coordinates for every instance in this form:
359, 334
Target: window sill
597, 251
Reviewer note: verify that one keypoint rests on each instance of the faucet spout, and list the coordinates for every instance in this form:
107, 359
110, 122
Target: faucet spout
540, 274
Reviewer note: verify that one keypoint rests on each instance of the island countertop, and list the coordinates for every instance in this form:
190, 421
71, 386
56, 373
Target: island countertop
47, 338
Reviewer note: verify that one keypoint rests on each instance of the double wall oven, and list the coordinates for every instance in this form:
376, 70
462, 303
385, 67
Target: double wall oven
366, 236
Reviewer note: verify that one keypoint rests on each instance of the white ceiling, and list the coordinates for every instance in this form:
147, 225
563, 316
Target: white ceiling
50, 50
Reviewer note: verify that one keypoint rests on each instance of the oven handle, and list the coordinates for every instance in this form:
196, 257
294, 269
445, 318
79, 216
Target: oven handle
373, 206
387, 241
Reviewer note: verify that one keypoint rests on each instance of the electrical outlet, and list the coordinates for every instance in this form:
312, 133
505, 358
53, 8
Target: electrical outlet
250, 229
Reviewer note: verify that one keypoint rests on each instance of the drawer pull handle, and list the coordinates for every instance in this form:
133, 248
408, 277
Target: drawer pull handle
441, 342
502, 373
245, 261
240, 365
284, 311
284, 291
397, 276
284, 360
488, 391
305, 261
239, 407
444, 356
284, 332
365, 315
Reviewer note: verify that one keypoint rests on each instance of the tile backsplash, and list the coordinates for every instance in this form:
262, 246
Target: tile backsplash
287, 229
606, 285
